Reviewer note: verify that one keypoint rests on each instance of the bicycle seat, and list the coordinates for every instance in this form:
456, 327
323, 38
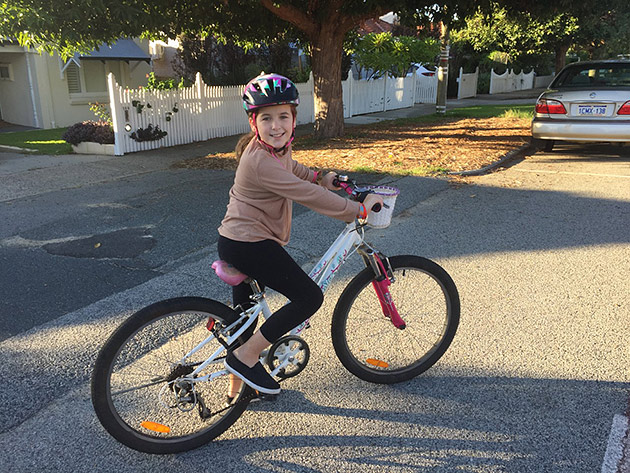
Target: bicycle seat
228, 273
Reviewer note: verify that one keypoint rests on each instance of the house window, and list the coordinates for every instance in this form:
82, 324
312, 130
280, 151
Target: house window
90, 79
6, 72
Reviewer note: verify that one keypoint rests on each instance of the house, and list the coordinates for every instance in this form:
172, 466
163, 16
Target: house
43, 91
163, 55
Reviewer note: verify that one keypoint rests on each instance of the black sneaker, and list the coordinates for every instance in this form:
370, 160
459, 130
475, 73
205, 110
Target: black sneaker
255, 377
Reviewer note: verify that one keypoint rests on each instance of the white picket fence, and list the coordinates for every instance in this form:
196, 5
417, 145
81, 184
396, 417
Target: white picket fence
202, 112
542, 81
509, 81
386, 93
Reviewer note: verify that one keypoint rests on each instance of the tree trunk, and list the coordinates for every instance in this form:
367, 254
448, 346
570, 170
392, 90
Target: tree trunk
325, 25
442, 87
326, 65
561, 56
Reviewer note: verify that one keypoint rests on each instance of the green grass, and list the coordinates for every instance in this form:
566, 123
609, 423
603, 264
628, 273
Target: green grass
41, 141
491, 111
478, 111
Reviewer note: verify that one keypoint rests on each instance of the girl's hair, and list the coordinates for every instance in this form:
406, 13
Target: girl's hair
242, 144
245, 139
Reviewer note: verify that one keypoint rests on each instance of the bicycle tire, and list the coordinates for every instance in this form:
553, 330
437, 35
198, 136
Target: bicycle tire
130, 386
367, 343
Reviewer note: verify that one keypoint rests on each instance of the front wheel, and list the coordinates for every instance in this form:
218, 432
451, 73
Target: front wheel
371, 347
141, 388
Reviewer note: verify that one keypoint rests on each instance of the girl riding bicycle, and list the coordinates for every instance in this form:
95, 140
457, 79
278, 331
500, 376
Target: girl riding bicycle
257, 223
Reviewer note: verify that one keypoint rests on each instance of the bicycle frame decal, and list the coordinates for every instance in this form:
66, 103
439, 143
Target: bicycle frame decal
381, 287
326, 268
387, 303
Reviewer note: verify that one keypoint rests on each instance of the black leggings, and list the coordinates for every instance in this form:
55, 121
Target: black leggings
269, 263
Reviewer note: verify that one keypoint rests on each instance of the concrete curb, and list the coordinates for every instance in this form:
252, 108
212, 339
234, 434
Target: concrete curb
516, 153
15, 148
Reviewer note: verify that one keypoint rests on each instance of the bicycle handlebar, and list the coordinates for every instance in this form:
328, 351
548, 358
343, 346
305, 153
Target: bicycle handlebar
355, 191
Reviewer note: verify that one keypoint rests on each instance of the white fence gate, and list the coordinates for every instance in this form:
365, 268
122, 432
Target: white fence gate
202, 112
509, 82
467, 84
386, 93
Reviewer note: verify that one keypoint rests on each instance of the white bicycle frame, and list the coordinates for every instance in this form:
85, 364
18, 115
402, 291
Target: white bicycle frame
322, 273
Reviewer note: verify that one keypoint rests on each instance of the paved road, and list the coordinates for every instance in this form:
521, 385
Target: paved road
531, 383
78, 228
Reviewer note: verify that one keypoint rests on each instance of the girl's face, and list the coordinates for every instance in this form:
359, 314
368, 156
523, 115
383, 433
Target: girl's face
275, 124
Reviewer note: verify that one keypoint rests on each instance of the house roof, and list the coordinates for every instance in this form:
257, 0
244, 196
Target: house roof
375, 25
121, 50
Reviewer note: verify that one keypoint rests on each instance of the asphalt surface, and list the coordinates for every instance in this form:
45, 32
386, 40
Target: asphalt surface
536, 379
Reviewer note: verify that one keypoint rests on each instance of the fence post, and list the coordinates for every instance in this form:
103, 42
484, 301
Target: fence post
311, 81
414, 90
385, 92
203, 104
117, 114
350, 95
459, 83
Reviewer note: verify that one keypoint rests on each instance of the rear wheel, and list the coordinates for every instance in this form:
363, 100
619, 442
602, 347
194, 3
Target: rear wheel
546, 145
371, 347
141, 388
549, 145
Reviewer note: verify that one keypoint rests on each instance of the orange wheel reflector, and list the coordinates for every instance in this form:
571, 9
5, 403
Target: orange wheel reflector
210, 324
377, 363
155, 427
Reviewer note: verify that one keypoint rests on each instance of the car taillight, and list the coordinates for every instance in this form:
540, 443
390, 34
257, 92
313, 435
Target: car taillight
625, 109
553, 107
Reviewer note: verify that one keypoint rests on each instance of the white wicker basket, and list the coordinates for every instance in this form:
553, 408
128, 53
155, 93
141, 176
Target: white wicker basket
383, 218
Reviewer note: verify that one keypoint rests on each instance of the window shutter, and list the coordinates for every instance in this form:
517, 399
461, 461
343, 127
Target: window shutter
74, 79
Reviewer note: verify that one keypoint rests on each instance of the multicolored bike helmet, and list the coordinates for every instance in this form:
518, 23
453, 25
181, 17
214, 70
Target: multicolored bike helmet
269, 89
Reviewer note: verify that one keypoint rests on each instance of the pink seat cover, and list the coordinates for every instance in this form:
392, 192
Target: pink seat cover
228, 273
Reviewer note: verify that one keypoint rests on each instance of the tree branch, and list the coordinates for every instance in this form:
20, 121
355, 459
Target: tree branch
293, 15
351, 21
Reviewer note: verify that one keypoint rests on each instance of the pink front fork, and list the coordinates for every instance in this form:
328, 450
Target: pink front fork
385, 298
382, 287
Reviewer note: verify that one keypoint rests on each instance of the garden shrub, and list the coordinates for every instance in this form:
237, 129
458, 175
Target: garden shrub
97, 132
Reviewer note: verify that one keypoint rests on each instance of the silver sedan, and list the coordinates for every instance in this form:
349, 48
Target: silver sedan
586, 101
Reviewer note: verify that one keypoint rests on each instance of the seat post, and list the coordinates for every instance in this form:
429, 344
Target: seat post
256, 290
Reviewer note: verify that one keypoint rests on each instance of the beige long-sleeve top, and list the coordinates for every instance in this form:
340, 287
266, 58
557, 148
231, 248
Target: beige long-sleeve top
260, 205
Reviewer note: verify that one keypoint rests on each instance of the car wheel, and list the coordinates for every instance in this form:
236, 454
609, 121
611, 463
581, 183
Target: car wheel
549, 145
539, 144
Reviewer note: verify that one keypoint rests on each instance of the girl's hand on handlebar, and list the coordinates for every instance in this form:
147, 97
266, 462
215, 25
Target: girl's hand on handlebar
371, 200
328, 181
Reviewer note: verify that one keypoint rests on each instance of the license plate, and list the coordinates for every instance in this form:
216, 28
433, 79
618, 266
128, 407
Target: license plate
592, 110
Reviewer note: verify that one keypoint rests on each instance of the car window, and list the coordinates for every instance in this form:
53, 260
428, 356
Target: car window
594, 75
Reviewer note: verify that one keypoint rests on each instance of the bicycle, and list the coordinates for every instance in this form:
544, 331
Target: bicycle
159, 385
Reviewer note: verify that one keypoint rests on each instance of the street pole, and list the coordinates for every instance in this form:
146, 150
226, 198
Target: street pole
440, 105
